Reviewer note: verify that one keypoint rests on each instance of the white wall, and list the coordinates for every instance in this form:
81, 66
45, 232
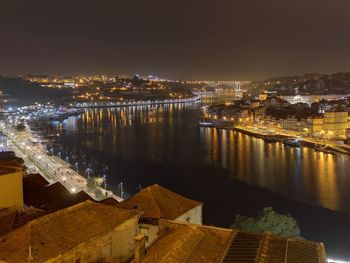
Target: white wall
193, 216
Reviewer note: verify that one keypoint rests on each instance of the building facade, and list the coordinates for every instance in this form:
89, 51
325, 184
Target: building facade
335, 123
11, 186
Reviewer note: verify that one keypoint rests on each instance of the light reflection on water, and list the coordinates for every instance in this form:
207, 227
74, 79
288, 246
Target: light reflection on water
169, 133
300, 173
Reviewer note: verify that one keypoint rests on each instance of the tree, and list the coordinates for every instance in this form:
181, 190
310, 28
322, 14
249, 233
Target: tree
92, 183
21, 127
268, 220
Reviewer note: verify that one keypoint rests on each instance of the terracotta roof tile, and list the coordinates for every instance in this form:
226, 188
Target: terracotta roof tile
256, 248
51, 235
182, 242
157, 202
110, 201
6, 222
53, 197
188, 243
33, 182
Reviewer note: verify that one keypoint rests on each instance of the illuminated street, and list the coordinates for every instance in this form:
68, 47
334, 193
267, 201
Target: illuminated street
53, 168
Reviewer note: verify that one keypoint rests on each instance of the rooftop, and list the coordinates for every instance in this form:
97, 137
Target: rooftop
110, 201
33, 182
266, 247
158, 202
7, 170
50, 197
187, 243
8, 166
183, 242
52, 234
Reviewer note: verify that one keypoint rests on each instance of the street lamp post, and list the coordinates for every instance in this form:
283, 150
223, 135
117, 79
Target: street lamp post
105, 181
121, 190
88, 171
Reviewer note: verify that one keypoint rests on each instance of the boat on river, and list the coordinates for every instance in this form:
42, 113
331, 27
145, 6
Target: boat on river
205, 124
291, 142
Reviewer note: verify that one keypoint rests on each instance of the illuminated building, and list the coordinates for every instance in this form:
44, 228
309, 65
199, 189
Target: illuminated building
335, 123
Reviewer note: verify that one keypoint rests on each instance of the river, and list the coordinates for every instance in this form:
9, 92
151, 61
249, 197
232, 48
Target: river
229, 171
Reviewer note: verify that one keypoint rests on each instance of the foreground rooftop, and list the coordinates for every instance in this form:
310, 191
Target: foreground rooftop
188, 243
53, 234
157, 202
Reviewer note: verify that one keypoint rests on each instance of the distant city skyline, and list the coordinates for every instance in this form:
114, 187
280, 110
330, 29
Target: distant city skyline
243, 39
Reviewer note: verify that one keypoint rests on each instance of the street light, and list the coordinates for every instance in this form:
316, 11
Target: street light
88, 171
105, 181
121, 190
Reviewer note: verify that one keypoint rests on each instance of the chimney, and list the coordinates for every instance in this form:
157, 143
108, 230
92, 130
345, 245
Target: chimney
140, 248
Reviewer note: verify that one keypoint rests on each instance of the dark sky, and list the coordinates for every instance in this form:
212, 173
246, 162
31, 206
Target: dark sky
196, 39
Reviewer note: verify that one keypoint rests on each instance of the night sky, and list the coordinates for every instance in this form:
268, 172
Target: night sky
204, 39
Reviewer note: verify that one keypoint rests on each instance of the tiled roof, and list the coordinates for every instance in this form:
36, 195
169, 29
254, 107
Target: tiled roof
6, 222
10, 157
269, 248
110, 201
51, 235
33, 182
10, 163
53, 197
43, 198
13, 220
158, 202
188, 243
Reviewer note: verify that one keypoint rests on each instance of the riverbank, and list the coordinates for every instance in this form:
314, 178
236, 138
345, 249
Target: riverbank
305, 141
328, 146
132, 103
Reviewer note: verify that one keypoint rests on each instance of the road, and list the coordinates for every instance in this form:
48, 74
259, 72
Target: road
53, 168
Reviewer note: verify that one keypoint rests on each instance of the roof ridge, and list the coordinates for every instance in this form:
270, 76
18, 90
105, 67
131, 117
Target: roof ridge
58, 212
203, 226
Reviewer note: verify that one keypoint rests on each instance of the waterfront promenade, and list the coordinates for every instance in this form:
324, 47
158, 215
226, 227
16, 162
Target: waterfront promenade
53, 168
268, 130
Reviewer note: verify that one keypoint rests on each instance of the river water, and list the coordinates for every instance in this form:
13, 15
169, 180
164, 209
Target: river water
164, 145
